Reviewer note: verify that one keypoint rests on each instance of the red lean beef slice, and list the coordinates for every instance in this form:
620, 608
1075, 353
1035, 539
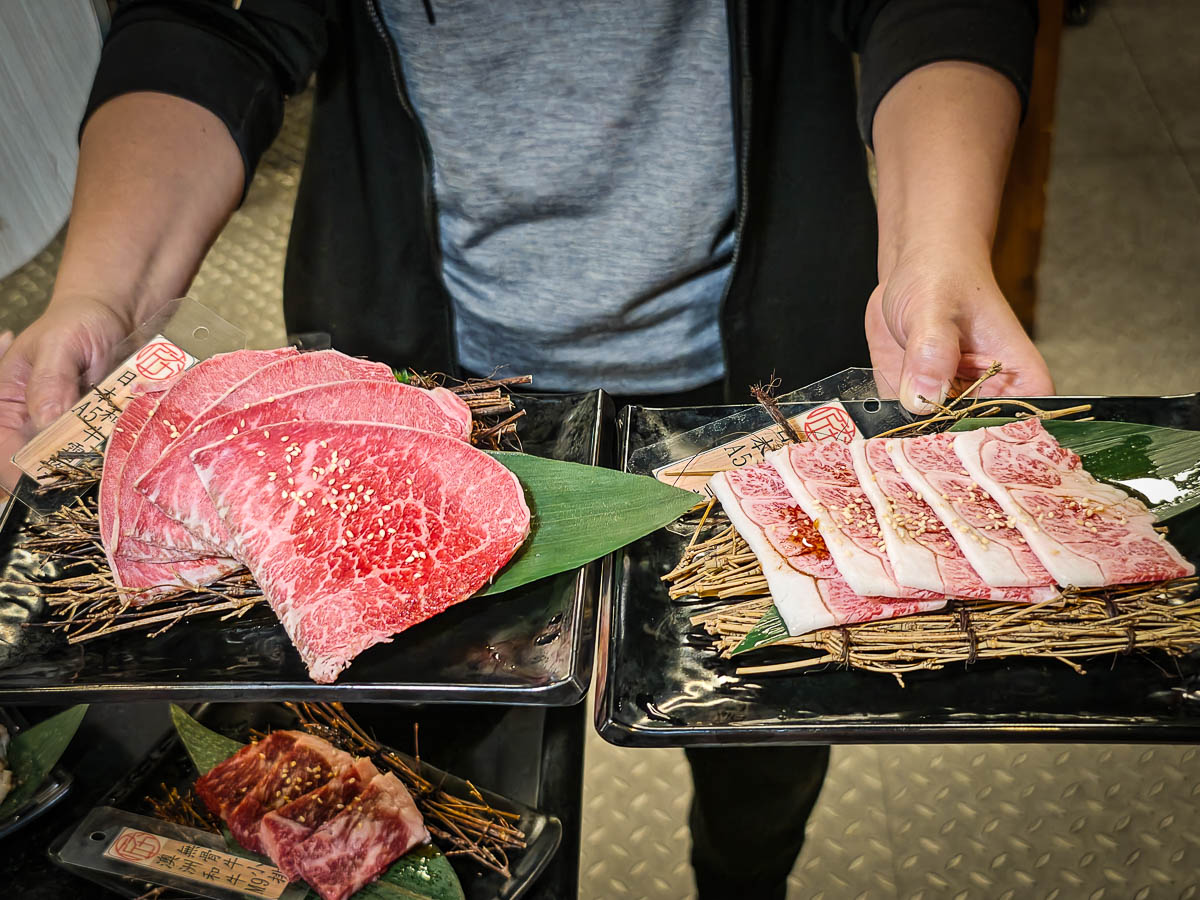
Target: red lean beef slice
226, 784
140, 582
281, 832
283, 371
356, 531
356, 846
304, 766
291, 373
172, 485
142, 524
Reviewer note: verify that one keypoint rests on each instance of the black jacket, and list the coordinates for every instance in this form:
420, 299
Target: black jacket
363, 260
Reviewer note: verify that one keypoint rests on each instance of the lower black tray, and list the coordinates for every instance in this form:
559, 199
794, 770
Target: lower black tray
168, 766
531, 645
660, 684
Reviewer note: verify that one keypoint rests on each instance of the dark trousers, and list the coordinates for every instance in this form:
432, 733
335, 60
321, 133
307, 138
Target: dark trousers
748, 814
750, 804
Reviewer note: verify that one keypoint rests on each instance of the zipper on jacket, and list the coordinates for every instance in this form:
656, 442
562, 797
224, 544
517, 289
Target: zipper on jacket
431, 226
739, 71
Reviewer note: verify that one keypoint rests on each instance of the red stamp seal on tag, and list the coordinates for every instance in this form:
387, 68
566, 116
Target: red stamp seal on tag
829, 423
136, 846
160, 360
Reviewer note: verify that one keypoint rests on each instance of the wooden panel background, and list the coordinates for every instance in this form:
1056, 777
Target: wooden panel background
1022, 212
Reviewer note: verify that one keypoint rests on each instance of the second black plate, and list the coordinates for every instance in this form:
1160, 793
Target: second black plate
660, 683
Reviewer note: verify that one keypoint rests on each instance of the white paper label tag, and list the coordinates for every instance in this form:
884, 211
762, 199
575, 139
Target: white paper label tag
195, 863
86, 426
827, 422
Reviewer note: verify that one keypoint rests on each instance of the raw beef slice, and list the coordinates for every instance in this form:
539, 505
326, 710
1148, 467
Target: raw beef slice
357, 530
281, 832
293, 372
142, 524
995, 549
806, 587
1087, 534
923, 552
358, 844
308, 764
172, 484
140, 581
820, 476
226, 784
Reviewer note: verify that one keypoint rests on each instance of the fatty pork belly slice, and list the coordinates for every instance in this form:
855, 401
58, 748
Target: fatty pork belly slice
805, 586
143, 526
1085, 533
141, 582
358, 844
172, 484
820, 476
356, 531
281, 832
305, 765
995, 549
921, 549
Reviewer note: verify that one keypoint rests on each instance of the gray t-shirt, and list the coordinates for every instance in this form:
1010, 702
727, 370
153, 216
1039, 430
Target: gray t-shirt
585, 180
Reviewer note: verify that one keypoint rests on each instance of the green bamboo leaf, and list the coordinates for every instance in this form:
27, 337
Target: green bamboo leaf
34, 752
206, 747
422, 874
1161, 465
580, 513
768, 630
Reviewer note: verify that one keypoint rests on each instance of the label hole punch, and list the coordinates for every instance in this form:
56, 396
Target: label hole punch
98, 836
872, 406
200, 332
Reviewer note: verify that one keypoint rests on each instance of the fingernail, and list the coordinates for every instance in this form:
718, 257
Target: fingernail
932, 390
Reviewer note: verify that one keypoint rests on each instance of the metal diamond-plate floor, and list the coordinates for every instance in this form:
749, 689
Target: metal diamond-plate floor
991, 821
996, 821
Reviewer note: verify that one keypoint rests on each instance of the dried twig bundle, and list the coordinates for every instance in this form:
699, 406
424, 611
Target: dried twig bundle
1078, 625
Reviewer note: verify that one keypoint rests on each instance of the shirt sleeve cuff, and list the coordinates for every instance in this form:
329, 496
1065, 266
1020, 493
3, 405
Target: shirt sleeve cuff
195, 64
906, 36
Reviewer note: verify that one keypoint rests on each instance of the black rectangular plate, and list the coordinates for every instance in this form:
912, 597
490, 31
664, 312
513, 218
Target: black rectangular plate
53, 789
660, 683
530, 645
169, 765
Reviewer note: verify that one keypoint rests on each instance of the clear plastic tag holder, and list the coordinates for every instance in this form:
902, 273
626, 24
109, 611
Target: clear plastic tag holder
859, 392
181, 333
111, 844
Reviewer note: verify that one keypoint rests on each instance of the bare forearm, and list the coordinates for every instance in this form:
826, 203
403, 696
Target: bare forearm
943, 137
158, 178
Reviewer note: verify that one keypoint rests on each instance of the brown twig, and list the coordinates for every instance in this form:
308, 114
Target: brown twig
762, 393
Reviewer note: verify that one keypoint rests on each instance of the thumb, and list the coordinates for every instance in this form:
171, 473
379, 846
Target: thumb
931, 357
53, 382
6, 341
